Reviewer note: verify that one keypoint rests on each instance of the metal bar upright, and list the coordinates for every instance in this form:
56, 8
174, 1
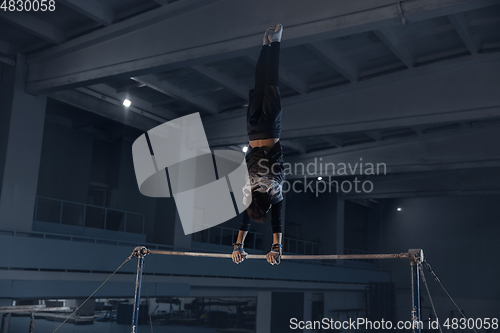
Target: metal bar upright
32, 322
415, 298
416, 257
138, 282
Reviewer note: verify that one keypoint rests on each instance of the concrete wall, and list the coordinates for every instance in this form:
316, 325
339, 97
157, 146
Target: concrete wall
22, 117
7, 89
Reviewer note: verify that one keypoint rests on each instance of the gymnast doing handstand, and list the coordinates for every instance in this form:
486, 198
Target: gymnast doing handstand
264, 156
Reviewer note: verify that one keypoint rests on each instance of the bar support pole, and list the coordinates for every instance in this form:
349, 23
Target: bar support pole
416, 257
32, 322
415, 298
138, 282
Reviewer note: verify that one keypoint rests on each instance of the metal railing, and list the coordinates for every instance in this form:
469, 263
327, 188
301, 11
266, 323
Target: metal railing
87, 216
105, 241
224, 236
253, 240
83, 239
114, 242
298, 246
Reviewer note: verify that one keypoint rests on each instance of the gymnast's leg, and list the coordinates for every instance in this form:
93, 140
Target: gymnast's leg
264, 126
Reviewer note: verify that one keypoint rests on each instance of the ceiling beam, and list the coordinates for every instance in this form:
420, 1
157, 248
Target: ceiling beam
108, 50
164, 2
119, 103
7, 48
419, 130
403, 37
124, 29
331, 57
205, 90
332, 140
443, 55
94, 104
223, 80
392, 44
165, 101
375, 135
460, 25
106, 90
420, 97
7, 60
34, 26
128, 87
419, 11
380, 70
422, 153
285, 76
293, 81
294, 145
92, 9
480, 181
172, 90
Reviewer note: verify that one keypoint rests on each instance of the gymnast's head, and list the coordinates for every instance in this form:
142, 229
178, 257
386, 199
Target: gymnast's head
257, 211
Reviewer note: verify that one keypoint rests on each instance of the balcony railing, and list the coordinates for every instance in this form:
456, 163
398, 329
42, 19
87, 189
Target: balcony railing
298, 246
83, 261
253, 240
87, 216
227, 236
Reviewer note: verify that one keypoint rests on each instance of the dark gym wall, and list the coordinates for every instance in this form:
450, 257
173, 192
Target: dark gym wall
6, 87
312, 218
286, 305
73, 161
65, 163
362, 227
459, 236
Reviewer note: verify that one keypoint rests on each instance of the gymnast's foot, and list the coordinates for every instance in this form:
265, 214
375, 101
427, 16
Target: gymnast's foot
268, 32
273, 34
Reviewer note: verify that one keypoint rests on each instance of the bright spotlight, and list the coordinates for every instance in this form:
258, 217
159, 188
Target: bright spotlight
127, 103
320, 178
245, 149
400, 209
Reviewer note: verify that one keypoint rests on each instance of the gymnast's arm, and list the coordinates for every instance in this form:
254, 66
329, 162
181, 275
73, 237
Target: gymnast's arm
274, 256
238, 251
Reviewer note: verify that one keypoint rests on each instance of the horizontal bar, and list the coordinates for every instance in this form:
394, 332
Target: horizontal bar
291, 257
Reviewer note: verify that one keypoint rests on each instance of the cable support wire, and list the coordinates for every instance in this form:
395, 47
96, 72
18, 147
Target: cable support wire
78, 308
429, 268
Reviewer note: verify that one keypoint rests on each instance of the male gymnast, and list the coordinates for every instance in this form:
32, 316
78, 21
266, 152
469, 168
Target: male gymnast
264, 156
